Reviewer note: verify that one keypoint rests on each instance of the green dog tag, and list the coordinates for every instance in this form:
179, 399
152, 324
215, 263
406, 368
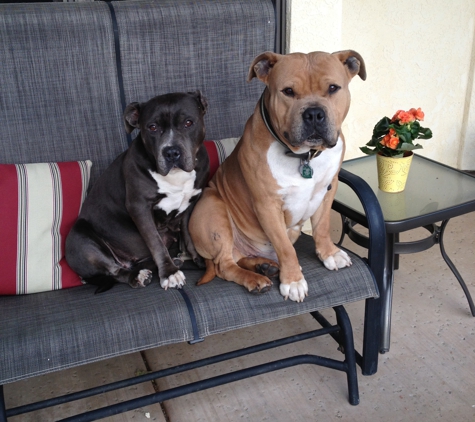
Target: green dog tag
305, 170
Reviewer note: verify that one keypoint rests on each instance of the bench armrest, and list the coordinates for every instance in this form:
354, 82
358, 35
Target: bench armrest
374, 221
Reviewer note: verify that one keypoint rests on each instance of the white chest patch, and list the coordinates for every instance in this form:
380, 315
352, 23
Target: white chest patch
301, 196
178, 186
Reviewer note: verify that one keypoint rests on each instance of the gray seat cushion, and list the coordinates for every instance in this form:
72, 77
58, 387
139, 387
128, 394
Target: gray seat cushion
45, 332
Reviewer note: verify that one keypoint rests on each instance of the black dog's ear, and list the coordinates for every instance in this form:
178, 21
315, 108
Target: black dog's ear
203, 103
131, 117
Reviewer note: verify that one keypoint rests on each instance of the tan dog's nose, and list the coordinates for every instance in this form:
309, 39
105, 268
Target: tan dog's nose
314, 116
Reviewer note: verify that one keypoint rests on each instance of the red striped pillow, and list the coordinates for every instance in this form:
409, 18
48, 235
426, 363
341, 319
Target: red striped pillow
218, 151
39, 203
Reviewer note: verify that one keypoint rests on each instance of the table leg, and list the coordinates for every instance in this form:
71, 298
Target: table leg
387, 294
452, 267
396, 255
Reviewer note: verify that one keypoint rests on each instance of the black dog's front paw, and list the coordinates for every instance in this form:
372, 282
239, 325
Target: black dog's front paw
142, 279
176, 280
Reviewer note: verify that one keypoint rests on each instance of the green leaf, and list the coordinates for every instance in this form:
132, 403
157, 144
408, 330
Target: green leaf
404, 135
415, 128
409, 147
381, 128
425, 133
368, 151
373, 142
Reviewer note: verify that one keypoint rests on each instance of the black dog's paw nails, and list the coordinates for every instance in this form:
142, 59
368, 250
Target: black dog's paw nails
175, 280
143, 278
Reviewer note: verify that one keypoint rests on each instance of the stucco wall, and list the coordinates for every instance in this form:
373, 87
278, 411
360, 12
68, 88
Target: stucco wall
417, 54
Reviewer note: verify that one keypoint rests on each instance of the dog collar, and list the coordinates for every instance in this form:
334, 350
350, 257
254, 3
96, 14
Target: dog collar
305, 169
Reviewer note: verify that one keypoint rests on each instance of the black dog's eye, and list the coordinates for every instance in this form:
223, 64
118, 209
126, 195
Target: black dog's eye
153, 128
333, 88
188, 123
289, 92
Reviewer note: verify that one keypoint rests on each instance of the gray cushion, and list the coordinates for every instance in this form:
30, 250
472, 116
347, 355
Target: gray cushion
221, 306
59, 88
194, 51
44, 332
59, 98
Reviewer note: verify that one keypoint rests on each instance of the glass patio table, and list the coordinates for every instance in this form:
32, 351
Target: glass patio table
434, 194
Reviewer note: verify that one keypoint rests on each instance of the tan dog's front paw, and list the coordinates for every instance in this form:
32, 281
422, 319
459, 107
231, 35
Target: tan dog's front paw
175, 280
336, 261
296, 291
258, 285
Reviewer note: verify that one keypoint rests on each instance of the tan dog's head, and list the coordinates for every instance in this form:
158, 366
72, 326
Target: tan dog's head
307, 94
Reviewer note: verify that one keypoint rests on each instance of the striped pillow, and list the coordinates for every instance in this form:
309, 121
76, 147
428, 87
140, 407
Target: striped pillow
218, 151
39, 203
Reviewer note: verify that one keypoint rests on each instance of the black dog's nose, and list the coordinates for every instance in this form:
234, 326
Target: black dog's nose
171, 154
314, 115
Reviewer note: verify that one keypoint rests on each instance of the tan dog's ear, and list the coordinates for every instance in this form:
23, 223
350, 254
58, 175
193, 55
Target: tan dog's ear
353, 61
131, 117
262, 65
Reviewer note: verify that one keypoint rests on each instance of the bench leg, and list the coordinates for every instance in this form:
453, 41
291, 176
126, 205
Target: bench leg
346, 333
3, 410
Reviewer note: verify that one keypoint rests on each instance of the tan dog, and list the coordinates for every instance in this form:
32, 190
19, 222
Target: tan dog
256, 204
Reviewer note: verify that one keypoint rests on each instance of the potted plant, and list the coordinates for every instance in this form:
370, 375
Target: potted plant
393, 143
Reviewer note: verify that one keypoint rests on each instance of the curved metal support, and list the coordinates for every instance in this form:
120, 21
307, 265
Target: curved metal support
343, 232
454, 270
377, 239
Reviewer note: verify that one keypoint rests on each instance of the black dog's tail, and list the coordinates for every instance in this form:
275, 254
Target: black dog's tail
103, 282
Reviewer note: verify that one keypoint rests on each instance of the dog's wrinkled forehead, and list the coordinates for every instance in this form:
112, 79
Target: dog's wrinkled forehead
307, 70
168, 109
311, 77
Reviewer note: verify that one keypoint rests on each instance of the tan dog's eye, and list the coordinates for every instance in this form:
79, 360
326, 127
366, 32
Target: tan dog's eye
333, 88
188, 123
289, 92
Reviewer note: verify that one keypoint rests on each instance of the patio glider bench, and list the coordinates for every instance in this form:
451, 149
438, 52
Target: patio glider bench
67, 72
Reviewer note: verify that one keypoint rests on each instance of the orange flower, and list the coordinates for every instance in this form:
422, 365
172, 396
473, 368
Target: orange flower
395, 117
404, 117
418, 114
391, 140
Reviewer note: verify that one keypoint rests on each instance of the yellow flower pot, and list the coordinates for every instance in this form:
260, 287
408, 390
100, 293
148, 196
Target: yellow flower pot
393, 172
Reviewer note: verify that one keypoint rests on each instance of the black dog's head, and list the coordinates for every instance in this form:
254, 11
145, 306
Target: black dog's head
171, 127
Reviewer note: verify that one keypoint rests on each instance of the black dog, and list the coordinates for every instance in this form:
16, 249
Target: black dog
141, 204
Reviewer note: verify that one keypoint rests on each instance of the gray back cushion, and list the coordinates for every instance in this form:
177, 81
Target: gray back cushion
59, 90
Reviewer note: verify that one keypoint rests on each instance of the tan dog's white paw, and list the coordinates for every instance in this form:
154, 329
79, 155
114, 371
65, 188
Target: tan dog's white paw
339, 260
175, 280
296, 291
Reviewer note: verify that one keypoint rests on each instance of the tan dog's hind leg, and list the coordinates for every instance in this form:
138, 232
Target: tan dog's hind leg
212, 234
261, 265
209, 274
332, 257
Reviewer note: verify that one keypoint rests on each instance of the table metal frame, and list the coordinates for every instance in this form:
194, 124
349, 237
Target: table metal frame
393, 227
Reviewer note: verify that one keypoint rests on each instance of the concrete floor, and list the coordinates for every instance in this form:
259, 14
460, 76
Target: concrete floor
428, 375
